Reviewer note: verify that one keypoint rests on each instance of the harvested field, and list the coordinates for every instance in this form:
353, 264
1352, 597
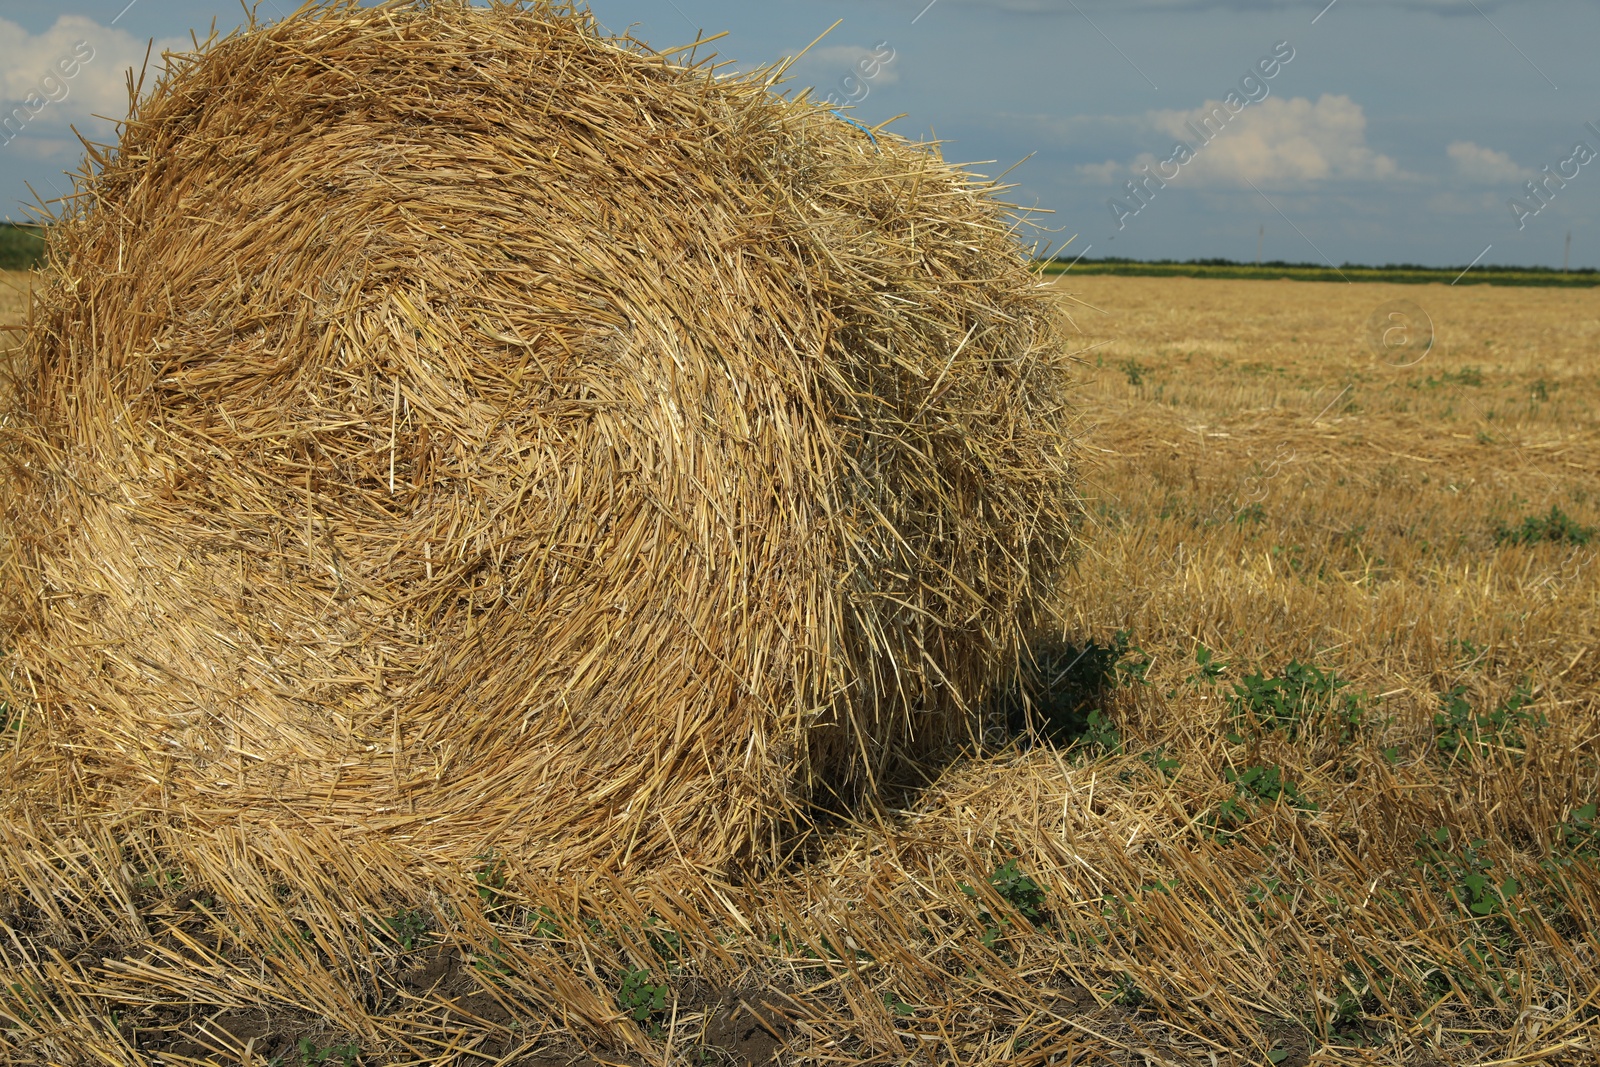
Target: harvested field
1388, 859
13, 294
14, 286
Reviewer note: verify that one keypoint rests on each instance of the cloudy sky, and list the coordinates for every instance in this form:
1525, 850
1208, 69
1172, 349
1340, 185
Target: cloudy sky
1368, 131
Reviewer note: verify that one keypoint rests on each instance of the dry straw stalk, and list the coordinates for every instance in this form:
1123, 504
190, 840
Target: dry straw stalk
452, 424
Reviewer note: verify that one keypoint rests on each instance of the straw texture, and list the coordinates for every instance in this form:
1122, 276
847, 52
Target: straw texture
454, 424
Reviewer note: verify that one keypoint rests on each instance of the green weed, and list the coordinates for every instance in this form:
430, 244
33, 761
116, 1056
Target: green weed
1100, 732
898, 1006
1161, 763
1270, 891
545, 924
1253, 787
493, 963
160, 880
1134, 372
1458, 730
1303, 695
1129, 995
1577, 839
347, 1054
1209, 670
1292, 555
1270, 784
406, 929
1557, 527
1022, 893
1465, 875
1471, 376
491, 880
1253, 514
663, 940
641, 997
1063, 692
1468, 652
1580, 834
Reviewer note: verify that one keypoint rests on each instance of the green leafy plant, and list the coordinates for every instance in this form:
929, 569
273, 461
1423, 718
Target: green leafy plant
1294, 556
1270, 784
1581, 833
347, 1054
1465, 376
1022, 893
1301, 697
641, 997
1227, 817
1135, 372
1209, 670
1352, 1001
1100, 732
1577, 838
1063, 692
546, 924
162, 881
1161, 763
1466, 875
1019, 890
30, 1000
1460, 731
663, 940
406, 929
1557, 527
293, 942
1252, 787
1270, 890
490, 879
493, 963
1129, 995
898, 1006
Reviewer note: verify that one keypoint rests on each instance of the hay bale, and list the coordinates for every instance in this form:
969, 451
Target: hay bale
456, 424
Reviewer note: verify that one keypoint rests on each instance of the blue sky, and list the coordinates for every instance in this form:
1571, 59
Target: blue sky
1399, 131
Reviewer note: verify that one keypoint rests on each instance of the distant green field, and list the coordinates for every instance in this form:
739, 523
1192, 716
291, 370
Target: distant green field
21, 247
1404, 274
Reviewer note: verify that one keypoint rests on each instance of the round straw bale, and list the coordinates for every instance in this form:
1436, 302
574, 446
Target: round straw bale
454, 423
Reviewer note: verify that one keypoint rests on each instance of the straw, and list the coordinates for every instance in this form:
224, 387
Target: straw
456, 425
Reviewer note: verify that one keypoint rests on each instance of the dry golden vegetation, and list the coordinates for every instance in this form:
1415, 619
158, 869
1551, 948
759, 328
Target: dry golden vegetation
13, 295
526, 442
1331, 669
14, 286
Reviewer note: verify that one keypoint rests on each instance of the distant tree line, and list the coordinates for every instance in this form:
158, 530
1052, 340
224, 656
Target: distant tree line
21, 246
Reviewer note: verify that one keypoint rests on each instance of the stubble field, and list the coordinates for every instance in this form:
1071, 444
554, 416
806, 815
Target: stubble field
1322, 787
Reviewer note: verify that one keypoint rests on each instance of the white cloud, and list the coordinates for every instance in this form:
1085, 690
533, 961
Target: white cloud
1485, 166
1103, 173
1275, 142
32, 72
